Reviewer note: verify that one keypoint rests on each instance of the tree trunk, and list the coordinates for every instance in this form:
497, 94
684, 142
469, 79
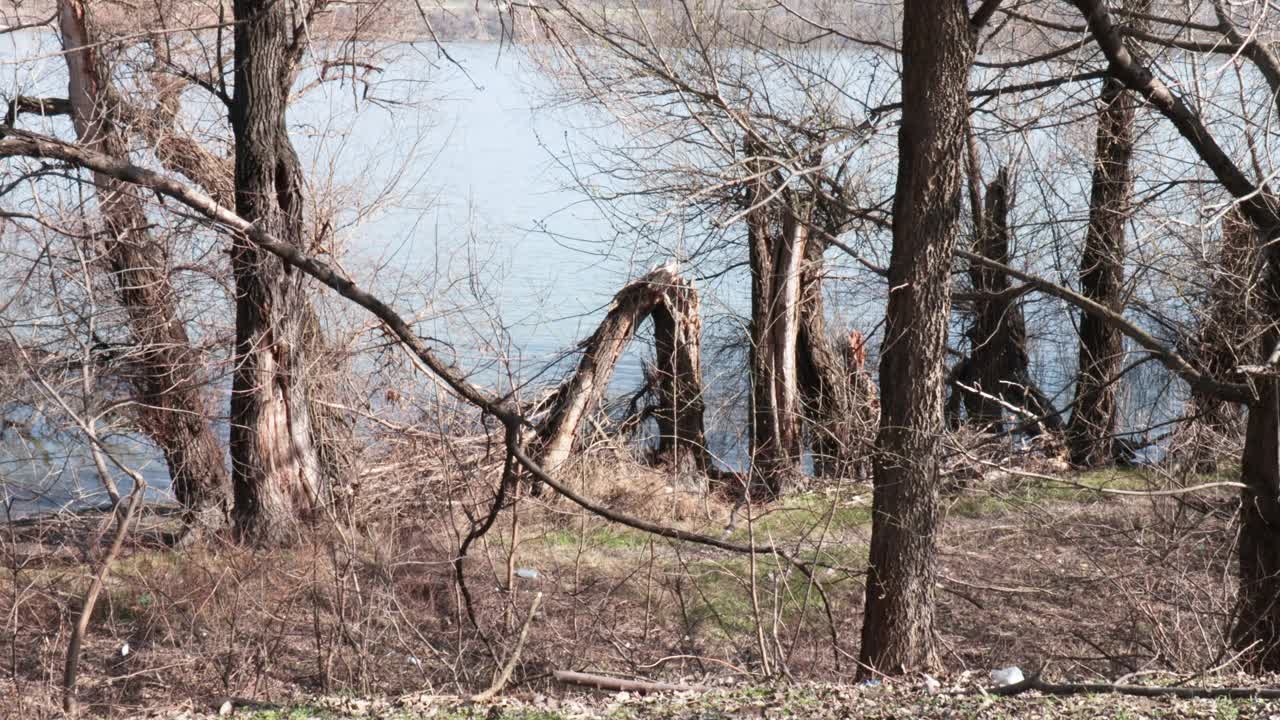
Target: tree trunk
275, 471
897, 630
1257, 625
825, 381
673, 304
1093, 420
169, 375
677, 336
777, 240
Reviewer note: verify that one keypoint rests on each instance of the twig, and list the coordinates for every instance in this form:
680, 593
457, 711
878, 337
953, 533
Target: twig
503, 677
69, 705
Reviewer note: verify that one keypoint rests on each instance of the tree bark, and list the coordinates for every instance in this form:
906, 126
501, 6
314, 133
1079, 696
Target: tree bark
1093, 419
897, 629
276, 475
1257, 624
169, 376
680, 409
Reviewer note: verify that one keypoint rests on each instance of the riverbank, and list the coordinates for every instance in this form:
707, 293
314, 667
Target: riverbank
1071, 569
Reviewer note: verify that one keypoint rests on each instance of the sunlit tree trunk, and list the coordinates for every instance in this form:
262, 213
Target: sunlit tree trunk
275, 469
679, 411
897, 630
167, 371
777, 238
825, 381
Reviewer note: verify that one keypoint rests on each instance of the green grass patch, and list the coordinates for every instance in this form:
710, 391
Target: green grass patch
1021, 492
719, 602
806, 516
604, 537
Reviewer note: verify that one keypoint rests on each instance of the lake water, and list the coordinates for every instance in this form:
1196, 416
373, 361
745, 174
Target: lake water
473, 213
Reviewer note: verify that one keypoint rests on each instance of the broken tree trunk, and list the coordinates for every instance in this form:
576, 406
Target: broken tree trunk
777, 237
673, 304
998, 370
679, 407
865, 405
826, 386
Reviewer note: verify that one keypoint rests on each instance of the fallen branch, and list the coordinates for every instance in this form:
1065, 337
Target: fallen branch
1035, 683
604, 682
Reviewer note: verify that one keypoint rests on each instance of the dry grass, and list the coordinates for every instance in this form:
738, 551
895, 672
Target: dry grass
1031, 572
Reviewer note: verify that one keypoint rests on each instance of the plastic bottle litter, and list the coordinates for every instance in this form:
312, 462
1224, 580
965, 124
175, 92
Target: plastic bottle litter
527, 573
1011, 675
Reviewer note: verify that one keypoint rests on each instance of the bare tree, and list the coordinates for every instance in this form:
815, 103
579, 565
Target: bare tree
897, 629
276, 474
169, 373
1257, 629
1093, 419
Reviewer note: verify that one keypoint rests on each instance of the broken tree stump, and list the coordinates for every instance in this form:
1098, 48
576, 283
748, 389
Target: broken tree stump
673, 304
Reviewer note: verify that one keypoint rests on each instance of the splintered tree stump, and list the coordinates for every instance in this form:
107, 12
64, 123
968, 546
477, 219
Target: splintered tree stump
997, 372
677, 339
673, 305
